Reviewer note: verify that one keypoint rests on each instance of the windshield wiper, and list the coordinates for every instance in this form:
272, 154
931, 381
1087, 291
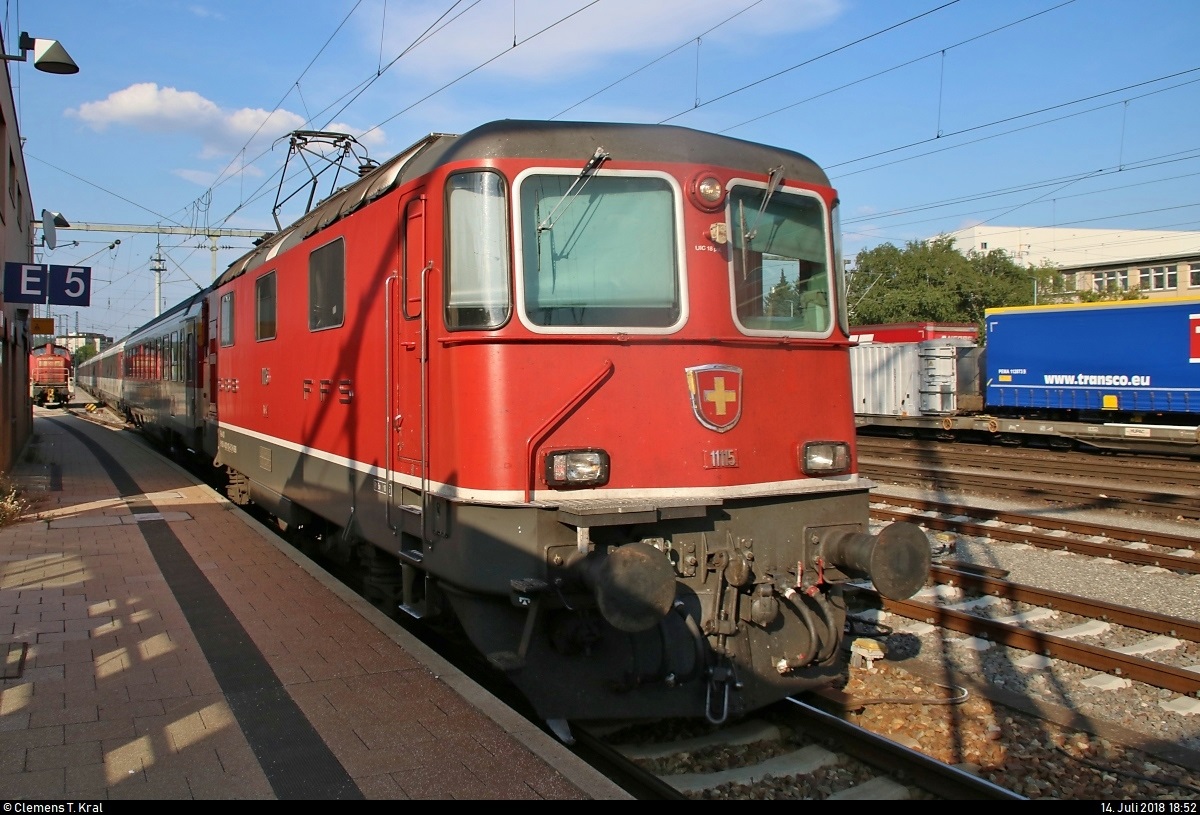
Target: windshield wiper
776, 176
598, 158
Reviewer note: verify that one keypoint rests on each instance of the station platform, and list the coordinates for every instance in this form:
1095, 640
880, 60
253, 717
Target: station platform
161, 644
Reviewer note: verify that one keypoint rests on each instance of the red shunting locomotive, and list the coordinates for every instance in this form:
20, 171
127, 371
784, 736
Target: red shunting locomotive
51, 375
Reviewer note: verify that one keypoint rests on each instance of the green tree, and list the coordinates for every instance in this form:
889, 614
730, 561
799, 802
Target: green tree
783, 299
83, 353
1053, 286
931, 281
1112, 292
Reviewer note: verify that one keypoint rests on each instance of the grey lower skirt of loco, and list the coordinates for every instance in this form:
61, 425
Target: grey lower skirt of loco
713, 615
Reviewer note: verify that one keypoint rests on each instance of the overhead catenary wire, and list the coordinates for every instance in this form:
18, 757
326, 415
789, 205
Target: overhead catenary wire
810, 61
347, 100
941, 51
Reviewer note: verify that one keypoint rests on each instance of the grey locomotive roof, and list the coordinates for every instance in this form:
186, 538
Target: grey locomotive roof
511, 138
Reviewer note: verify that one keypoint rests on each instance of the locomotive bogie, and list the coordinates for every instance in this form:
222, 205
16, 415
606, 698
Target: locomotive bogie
729, 571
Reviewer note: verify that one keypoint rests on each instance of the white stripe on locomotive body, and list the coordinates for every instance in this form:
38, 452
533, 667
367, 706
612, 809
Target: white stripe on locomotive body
805, 486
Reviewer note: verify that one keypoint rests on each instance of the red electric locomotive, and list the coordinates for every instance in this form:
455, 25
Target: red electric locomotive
51, 375
583, 389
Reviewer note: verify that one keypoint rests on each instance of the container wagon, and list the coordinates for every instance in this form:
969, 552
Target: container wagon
1117, 376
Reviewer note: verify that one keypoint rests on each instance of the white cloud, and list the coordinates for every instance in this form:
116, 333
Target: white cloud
205, 12
206, 178
202, 178
149, 107
152, 109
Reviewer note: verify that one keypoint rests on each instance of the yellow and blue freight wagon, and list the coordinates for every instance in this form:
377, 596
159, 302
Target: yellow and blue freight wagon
1128, 358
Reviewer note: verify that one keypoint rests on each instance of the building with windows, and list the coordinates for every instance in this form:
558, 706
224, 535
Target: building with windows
85, 339
16, 245
1158, 263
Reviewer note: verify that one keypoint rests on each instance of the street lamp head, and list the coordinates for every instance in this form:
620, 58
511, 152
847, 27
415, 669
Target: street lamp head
48, 55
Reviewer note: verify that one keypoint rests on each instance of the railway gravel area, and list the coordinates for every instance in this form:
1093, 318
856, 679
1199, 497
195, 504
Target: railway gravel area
1150, 587
1094, 701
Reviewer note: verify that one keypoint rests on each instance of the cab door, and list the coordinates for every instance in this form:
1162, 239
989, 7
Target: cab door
408, 353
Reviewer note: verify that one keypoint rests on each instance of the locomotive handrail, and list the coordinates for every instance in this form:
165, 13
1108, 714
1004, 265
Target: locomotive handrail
554, 421
423, 361
390, 415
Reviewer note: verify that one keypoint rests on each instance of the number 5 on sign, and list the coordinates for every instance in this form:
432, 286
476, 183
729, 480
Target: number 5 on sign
71, 285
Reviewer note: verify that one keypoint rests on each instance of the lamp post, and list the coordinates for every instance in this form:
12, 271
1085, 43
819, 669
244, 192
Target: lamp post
48, 55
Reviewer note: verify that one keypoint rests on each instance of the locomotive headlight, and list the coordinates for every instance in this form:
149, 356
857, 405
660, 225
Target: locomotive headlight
825, 457
577, 468
707, 192
709, 189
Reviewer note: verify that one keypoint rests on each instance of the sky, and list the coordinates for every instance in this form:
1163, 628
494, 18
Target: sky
928, 115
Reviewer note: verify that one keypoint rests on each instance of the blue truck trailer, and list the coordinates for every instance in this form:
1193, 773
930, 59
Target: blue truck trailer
1127, 359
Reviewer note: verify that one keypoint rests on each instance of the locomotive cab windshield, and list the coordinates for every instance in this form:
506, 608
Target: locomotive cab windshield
608, 259
781, 278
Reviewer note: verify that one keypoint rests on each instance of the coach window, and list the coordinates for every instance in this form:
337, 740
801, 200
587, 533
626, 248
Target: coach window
327, 286
600, 251
478, 293
264, 304
226, 319
781, 276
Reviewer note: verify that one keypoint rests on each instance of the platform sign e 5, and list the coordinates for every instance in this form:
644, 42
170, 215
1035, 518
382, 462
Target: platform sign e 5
42, 283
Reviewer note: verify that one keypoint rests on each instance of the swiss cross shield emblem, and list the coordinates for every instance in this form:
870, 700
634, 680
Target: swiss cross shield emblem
716, 395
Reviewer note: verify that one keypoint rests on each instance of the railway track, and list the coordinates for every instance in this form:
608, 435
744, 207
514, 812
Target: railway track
1164, 487
1123, 467
1122, 543
1009, 738
1031, 619
1112, 684
791, 751
1049, 672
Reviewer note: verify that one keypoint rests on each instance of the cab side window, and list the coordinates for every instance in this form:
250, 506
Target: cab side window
477, 245
327, 286
264, 307
226, 319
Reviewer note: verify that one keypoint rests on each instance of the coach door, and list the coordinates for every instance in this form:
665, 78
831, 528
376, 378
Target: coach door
407, 402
